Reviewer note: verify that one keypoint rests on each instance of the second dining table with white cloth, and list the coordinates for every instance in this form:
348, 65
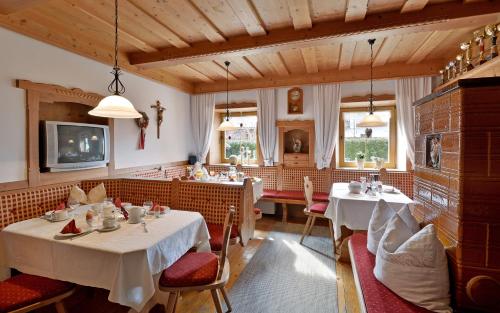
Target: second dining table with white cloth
123, 261
257, 185
355, 210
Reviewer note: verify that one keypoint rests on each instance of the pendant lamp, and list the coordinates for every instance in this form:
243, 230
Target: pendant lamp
115, 106
371, 120
226, 123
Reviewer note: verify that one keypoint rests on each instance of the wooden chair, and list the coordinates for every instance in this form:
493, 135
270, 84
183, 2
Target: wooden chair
25, 293
314, 210
200, 271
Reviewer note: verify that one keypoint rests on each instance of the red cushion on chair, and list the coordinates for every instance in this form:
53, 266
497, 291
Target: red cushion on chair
216, 232
192, 269
319, 208
270, 194
291, 195
321, 196
22, 290
377, 297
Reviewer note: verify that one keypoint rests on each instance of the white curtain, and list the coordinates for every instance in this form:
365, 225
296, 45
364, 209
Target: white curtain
266, 123
202, 119
408, 90
326, 101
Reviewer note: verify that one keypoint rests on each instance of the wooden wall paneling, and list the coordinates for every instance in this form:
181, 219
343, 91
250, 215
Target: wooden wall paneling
309, 56
408, 44
274, 14
327, 10
246, 66
387, 47
261, 64
276, 62
413, 5
32, 106
361, 55
328, 57
222, 15
12, 6
346, 54
294, 61
433, 40
356, 10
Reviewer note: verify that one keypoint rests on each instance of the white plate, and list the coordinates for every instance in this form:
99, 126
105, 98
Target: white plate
104, 230
167, 209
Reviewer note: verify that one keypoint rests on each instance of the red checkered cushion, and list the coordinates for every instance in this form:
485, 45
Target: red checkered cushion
291, 195
22, 290
377, 297
321, 196
319, 208
216, 232
192, 269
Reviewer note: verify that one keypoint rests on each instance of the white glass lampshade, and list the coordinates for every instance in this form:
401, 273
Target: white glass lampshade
371, 120
115, 107
226, 125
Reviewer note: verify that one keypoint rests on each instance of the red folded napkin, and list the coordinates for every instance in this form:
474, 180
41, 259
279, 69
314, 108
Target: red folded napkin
157, 207
61, 206
71, 228
118, 203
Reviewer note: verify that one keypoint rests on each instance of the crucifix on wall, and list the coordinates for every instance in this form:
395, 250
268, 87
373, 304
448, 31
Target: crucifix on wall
159, 116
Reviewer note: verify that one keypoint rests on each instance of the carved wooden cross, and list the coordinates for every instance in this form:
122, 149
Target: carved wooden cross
159, 116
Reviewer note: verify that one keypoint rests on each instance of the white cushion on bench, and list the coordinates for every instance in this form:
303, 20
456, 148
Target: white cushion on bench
414, 266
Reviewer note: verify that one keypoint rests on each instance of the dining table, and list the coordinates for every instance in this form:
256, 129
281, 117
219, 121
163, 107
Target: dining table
352, 212
257, 185
127, 261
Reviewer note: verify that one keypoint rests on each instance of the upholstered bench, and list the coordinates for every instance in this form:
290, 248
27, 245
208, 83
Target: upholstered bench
373, 296
285, 197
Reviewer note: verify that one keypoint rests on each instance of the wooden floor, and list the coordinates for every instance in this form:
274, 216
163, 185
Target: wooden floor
95, 300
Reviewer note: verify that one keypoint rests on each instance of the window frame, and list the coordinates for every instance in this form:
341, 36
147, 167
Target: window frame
393, 153
222, 138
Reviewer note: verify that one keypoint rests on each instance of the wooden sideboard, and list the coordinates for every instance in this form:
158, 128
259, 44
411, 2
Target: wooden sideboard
289, 132
461, 196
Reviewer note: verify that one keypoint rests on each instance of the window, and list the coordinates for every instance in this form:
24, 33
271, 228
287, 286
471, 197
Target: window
242, 142
353, 139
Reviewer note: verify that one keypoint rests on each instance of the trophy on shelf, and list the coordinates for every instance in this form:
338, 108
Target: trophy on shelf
443, 78
460, 65
479, 39
447, 70
465, 46
491, 32
453, 69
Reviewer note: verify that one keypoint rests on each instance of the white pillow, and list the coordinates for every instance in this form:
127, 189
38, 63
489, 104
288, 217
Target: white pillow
381, 215
77, 194
414, 266
97, 194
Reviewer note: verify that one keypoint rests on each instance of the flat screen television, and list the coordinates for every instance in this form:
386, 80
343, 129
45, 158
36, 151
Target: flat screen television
71, 146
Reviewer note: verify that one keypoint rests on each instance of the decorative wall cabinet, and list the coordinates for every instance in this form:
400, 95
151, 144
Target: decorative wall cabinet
457, 190
296, 143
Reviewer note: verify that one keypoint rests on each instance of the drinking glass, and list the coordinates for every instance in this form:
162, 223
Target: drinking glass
73, 204
108, 200
147, 205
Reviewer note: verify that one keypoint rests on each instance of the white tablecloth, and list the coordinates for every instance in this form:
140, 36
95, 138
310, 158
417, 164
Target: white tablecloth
355, 211
257, 184
123, 261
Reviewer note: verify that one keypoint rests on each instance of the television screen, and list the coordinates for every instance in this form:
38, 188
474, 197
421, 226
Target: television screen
80, 144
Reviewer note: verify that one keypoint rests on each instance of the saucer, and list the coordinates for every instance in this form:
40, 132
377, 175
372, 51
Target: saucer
101, 229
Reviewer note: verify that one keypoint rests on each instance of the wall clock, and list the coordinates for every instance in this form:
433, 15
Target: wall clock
295, 101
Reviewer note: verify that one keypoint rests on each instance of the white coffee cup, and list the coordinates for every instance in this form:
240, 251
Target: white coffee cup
60, 215
109, 222
134, 214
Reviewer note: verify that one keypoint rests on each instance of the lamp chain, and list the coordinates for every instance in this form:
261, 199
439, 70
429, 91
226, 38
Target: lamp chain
116, 87
371, 42
227, 89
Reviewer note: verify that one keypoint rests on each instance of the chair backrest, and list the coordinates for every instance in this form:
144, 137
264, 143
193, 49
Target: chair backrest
228, 223
308, 191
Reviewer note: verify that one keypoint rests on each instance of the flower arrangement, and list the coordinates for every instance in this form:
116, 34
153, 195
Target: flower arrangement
360, 155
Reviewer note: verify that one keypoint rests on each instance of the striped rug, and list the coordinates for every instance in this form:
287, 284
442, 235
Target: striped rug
284, 276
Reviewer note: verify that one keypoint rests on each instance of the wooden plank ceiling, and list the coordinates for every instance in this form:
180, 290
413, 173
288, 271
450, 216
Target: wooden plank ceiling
184, 43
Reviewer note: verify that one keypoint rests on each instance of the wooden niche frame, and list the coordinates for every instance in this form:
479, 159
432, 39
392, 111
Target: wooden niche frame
37, 93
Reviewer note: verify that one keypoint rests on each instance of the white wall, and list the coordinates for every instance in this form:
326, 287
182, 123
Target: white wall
25, 58
348, 89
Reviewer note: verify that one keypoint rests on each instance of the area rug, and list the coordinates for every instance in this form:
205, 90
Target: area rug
284, 276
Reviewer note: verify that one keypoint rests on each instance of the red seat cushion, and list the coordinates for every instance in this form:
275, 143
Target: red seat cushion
291, 195
22, 290
377, 297
192, 269
321, 196
319, 208
216, 232
270, 194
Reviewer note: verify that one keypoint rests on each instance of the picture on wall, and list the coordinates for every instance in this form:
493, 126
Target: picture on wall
433, 151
